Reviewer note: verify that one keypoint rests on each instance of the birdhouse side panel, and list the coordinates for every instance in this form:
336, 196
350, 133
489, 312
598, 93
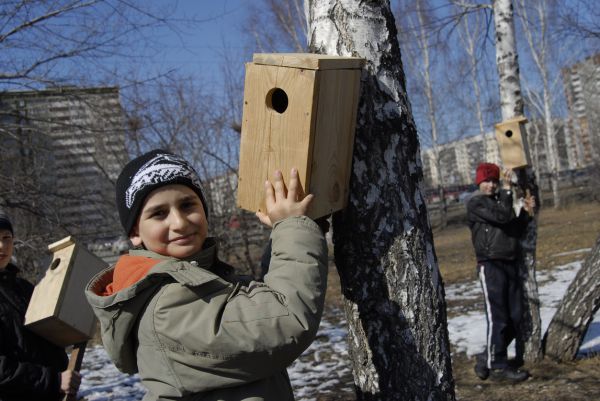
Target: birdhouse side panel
48, 294
339, 91
75, 310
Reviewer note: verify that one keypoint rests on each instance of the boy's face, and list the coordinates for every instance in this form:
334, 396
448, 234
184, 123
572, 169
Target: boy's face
6, 247
172, 222
488, 187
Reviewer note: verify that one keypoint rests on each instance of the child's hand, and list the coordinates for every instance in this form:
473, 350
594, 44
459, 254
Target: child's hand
529, 204
282, 202
507, 175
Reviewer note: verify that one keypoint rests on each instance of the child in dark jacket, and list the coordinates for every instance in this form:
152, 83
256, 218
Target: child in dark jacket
175, 314
496, 228
31, 368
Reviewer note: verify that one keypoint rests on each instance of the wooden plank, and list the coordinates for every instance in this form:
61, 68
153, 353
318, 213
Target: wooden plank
290, 134
75, 362
48, 294
63, 243
254, 141
334, 140
272, 140
309, 61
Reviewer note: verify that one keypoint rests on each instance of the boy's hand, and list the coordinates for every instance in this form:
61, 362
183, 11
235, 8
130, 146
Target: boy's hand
529, 204
282, 202
507, 178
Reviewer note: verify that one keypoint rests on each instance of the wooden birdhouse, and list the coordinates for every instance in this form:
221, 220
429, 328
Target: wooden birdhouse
58, 310
299, 111
512, 141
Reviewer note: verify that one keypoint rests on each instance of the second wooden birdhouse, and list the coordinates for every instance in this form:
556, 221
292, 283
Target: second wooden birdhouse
512, 141
299, 111
58, 310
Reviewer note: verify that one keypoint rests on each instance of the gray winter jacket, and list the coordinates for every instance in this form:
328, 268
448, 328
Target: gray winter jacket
194, 335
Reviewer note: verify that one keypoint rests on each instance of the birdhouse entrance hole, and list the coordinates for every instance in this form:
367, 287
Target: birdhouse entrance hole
277, 100
508, 133
55, 264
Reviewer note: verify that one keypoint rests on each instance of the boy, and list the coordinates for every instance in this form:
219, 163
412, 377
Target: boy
173, 312
31, 368
495, 232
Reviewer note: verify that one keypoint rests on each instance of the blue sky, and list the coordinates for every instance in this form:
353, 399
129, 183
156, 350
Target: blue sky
198, 47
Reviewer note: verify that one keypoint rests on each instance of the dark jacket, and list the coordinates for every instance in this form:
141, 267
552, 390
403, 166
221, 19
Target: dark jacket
29, 365
495, 229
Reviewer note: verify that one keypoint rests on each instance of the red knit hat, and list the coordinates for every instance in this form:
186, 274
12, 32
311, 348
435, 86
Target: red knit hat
487, 171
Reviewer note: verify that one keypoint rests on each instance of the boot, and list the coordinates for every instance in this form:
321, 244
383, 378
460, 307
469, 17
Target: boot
480, 368
509, 374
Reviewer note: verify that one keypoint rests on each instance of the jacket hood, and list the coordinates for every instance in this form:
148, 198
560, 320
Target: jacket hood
118, 299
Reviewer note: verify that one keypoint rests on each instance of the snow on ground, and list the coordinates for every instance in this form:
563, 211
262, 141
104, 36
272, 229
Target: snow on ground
324, 366
467, 331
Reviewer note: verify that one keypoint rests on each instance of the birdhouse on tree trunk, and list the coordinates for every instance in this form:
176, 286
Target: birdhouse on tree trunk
512, 141
299, 111
58, 310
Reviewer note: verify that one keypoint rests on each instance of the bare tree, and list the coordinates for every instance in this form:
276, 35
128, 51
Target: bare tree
277, 25
472, 30
420, 47
45, 49
393, 292
539, 41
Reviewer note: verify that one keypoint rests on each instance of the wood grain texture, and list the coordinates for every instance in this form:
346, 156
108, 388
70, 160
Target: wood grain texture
314, 134
308, 61
58, 310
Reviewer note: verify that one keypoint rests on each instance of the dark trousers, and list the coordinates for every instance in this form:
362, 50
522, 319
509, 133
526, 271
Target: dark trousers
503, 296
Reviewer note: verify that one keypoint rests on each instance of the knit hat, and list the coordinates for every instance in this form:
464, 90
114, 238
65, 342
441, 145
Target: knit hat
146, 173
5, 223
487, 171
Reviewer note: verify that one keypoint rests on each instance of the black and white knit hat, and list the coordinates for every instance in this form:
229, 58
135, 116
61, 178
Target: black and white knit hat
5, 223
146, 173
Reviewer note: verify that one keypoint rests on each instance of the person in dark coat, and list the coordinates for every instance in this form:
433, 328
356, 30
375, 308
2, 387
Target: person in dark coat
496, 225
31, 368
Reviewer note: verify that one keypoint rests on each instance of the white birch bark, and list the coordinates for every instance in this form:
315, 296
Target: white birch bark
511, 101
394, 295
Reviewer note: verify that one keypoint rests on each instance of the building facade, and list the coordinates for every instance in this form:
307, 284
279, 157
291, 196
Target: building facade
581, 83
62, 152
458, 160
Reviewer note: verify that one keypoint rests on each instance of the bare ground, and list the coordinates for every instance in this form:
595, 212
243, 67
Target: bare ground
563, 236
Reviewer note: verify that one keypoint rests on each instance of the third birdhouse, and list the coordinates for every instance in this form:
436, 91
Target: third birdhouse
299, 111
512, 141
58, 310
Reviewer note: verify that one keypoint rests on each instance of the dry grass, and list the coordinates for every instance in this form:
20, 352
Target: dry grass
568, 229
572, 228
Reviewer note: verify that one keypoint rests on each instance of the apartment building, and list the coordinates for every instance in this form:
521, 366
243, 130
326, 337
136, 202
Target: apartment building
581, 83
63, 149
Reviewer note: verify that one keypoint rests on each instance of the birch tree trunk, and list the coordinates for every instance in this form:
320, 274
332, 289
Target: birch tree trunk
383, 245
511, 101
576, 311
